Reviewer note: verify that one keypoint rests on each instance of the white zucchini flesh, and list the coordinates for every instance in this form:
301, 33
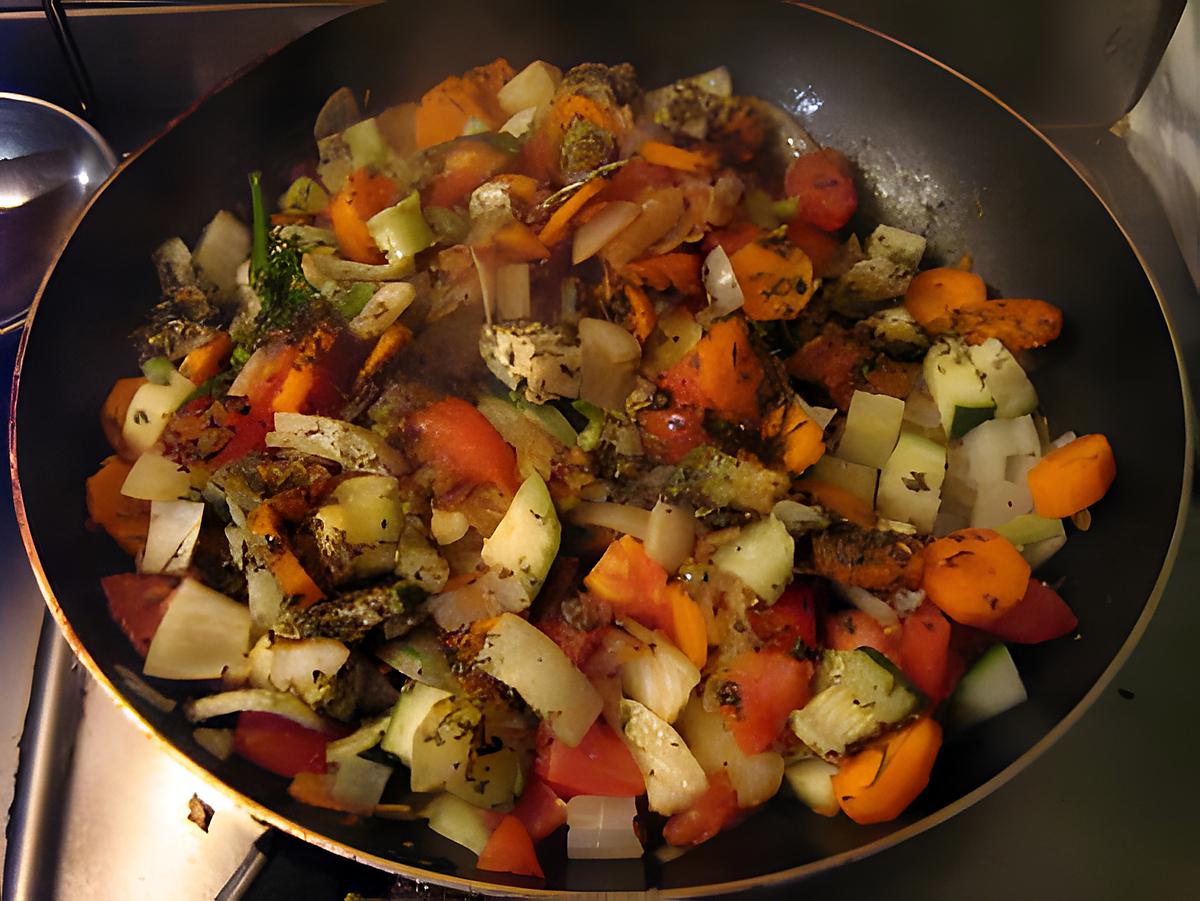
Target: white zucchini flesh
674, 778
526, 540
526, 659
202, 634
444, 755
859, 480
1010, 386
462, 823
872, 427
171, 537
761, 555
155, 478
150, 408
958, 389
910, 485
413, 705
990, 687
812, 781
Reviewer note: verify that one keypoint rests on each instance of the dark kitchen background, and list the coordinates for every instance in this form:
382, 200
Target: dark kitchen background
98, 811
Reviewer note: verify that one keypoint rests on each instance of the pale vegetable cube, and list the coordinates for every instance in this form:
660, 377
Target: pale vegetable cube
911, 482
761, 555
872, 427
859, 480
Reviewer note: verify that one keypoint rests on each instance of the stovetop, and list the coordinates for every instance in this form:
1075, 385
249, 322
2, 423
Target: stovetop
1105, 813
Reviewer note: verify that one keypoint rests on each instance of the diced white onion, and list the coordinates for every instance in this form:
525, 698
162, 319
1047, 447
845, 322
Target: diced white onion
609, 358
869, 604
447, 526
455, 819
724, 292
670, 535
624, 518
798, 517
356, 449
223, 246
382, 310
601, 828
591, 237
171, 537
822, 416
512, 292
255, 369
532, 87
202, 634
519, 122
998, 502
155, 478
1063, 440
358, 784
258, 699
217, 742
487, 284
142, 689
657, 674
362, 739
489, 595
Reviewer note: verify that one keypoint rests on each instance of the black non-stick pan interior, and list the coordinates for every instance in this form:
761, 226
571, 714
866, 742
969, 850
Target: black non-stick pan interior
934, 153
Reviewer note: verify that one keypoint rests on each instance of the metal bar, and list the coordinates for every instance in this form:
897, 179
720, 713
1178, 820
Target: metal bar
57, 18
47, 747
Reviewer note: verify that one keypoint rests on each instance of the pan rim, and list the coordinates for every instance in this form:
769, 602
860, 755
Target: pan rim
777, 878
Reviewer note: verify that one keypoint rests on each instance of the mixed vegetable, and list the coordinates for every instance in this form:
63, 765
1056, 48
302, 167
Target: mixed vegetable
555, 454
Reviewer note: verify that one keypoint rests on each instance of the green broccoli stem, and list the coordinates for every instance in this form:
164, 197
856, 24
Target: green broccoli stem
258, 249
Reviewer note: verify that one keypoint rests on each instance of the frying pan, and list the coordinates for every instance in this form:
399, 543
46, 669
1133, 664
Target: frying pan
934, 152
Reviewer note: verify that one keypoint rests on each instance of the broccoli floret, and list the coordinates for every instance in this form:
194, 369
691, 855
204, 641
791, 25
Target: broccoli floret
711, 480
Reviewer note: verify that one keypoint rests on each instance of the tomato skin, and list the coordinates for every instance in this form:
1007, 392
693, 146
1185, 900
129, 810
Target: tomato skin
453, 435
1041, 615
137, 603
711, 812
733, 237
823, 185
791, 619
848, 630
510, 850
599, 765
925, 648
279, 745
672, 432
770, 685
539, 809
629, 580
820, 246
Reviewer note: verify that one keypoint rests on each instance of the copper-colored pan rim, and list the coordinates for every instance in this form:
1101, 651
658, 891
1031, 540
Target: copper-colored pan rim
493, 890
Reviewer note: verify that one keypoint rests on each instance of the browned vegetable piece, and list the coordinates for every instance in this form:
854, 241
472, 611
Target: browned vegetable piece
841, 362
869, 558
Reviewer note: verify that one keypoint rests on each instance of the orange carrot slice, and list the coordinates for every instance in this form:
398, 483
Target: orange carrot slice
975, 576
1072, 477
